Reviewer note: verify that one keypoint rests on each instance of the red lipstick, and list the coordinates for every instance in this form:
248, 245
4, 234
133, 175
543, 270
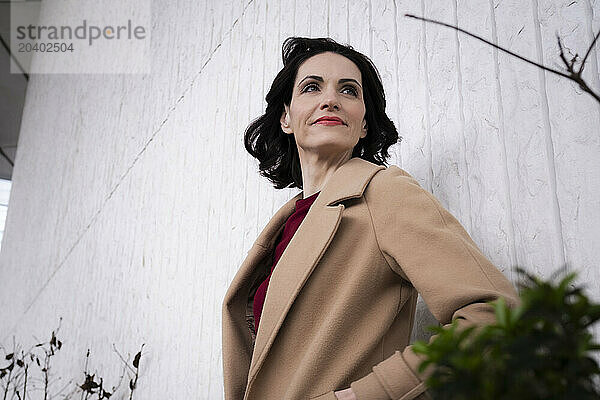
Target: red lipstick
326, 120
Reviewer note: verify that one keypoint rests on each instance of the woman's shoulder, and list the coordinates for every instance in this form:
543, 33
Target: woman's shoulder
394, 170
393, 186
392, 178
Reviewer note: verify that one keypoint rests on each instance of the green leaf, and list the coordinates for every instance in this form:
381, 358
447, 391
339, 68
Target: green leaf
537, 350
419, 347
500, 309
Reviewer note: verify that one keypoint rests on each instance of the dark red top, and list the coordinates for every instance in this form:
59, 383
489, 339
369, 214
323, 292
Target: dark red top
291, 225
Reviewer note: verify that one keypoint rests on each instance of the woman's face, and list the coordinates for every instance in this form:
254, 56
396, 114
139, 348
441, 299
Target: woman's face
327, 84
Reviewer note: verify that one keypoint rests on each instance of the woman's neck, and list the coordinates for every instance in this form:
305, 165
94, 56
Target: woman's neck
316, 171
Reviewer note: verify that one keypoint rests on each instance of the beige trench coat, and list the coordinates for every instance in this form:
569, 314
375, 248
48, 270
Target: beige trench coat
341, 301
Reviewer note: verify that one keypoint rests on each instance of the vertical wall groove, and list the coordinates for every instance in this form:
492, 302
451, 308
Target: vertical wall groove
328, 14
559, 245
593, 57
258, 222
280, 40
461, 106
347, 19
370, 29
397, 89
502, 132
247, 161
427, 88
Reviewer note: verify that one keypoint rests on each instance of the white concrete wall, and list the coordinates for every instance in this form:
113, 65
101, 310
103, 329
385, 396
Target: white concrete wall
134, 202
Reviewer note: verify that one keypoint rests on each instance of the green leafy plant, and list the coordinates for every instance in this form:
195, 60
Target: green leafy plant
541, 349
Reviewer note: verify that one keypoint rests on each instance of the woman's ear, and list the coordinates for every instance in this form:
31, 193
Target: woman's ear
285, 120
364, 129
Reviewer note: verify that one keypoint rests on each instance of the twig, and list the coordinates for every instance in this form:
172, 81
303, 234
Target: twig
125, 365
16, 378
64, 387
136, 364
25, 384
573, 75
10, 357
126, 362
133, 385
7, 384
589, 50
85, 372
46, 374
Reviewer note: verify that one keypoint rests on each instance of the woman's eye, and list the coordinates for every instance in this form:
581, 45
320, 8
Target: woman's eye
353, 91
308, 86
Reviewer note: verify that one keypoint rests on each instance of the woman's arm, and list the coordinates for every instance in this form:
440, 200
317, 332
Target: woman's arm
425, 244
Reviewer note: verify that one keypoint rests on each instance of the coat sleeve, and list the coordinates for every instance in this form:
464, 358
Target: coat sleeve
422, 242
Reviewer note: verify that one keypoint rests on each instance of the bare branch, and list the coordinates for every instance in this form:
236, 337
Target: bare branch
491, 44
562, 55
589, 50
572, 75
126, 362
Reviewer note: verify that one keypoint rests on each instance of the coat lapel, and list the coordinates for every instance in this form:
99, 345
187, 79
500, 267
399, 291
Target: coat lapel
304, 251
239, 286
237, 349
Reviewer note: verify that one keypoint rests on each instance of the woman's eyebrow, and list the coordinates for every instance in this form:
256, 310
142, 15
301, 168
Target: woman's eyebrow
320, 79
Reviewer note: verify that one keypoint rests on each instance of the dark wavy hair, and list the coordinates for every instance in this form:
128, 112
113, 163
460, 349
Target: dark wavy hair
277, 152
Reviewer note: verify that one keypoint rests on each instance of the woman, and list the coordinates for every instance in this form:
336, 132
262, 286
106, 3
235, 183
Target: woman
334, 311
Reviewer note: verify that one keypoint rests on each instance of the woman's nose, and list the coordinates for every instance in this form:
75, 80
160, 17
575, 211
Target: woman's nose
330, 105
330, 100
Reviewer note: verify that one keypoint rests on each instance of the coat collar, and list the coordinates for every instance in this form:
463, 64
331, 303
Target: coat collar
297, 262
347, 182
